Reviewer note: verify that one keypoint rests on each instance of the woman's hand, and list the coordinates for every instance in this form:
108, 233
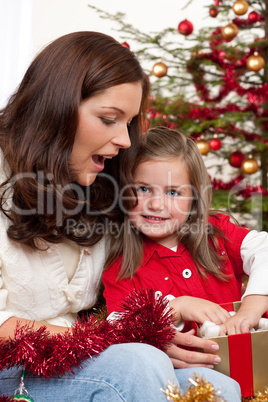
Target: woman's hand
182, 358
7, 329
199, 310
248, 316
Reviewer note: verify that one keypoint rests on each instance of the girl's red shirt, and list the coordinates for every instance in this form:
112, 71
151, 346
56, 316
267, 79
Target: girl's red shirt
174, 273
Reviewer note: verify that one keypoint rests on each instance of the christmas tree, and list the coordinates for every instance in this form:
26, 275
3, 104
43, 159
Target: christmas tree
213, 86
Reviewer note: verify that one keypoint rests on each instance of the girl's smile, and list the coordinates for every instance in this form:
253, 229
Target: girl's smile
164, 199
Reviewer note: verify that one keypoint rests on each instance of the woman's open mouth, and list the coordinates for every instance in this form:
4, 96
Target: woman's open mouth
98, 161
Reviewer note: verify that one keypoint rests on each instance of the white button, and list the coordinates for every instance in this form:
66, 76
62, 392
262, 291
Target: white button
187, 273
166, 278
157, 294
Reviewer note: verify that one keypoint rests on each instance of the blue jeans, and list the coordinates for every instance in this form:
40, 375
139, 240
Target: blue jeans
130, 372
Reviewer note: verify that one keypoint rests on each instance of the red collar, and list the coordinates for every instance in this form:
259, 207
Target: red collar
151, 247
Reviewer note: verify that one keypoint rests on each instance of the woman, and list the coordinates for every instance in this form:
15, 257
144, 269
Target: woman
64, 138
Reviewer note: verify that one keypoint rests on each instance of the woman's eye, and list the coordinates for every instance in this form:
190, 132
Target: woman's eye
173, 193
143, 189
107, 122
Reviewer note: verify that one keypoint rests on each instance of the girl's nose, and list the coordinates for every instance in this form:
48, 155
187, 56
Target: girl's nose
156, 203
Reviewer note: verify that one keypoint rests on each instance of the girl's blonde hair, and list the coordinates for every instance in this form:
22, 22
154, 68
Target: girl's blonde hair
162, 142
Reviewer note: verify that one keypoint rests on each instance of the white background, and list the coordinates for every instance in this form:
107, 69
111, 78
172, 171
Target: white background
26, 26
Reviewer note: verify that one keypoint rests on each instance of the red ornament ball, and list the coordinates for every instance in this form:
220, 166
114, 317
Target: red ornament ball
125, 44
236, 158
215, 144
213, 12
254, 16
185, 27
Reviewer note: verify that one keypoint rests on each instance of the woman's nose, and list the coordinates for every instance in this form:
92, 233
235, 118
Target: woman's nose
122, 139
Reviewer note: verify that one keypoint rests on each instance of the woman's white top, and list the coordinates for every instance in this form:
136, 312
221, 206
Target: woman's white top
51, 285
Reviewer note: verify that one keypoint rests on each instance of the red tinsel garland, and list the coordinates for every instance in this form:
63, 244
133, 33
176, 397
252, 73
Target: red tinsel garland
232, 70
211, 113
4, 398
145, 320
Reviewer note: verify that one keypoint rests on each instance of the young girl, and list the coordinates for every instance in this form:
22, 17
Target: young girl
171, 241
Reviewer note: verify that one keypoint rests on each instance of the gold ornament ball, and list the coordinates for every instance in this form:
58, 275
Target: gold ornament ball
255, 62
203, 146
159, 69
249, 165
233, 54
229, 32
240, 7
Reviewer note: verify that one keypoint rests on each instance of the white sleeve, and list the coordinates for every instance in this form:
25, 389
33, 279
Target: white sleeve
179, 327
4, 315
254, 254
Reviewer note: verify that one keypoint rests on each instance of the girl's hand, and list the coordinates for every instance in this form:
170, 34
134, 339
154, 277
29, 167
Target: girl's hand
182, 358
199, 310
248, 316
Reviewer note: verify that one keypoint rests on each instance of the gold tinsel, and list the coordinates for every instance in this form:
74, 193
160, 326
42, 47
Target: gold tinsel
259, 397
198, 390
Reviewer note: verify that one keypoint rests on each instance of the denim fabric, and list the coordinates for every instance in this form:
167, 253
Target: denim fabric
126, 372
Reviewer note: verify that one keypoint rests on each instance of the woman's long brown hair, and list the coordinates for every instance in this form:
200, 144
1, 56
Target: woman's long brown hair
37, 132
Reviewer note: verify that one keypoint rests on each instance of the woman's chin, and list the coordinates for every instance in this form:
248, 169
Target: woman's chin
86, 179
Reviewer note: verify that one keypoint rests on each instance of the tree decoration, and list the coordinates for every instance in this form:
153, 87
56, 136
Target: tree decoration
160, 69
229, 32
240, 7
229, 99
233, 54
215, 143
21, 393
4, 398
236, 158
145, 320
260, 396
198, 390
125, 44
203, 145
254, 16
213, 11
255, 62
249, 165
185, 27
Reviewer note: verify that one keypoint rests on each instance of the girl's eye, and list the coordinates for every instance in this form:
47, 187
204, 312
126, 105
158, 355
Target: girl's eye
143, 189
173, 193
107, 122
